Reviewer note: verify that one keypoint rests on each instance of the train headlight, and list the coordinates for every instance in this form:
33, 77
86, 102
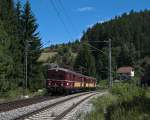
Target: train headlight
67, 84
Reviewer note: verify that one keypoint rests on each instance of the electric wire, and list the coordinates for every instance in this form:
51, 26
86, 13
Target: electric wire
67, 15
60, 18
95, 48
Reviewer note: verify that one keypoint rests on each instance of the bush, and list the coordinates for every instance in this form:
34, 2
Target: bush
137, 109
14, 93
100, 105
124, 102
41, 92
103, 84
126, 91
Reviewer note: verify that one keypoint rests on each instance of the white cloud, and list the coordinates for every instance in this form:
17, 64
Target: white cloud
86, 8
100, 21
90, 25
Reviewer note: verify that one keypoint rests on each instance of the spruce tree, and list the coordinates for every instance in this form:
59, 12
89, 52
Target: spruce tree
20, 42
9, 20
33, 45
126, 56
6, 67
85, 62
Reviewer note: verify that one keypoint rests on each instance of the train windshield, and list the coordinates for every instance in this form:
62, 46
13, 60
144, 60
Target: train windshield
56, 75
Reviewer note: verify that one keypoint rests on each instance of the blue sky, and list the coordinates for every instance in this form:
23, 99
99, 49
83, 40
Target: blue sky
65, 20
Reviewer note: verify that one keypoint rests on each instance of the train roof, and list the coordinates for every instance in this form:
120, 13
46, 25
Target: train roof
70, 71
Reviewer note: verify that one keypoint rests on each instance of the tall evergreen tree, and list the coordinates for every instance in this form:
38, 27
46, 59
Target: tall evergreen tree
85, 62
6, 9
33, 45
6, 67
8, 16
126, 56
20, 43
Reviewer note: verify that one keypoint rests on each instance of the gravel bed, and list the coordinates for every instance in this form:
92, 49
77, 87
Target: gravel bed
80, 111
12, 114
51, 113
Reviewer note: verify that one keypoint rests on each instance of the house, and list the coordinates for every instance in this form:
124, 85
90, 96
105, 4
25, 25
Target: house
125, 73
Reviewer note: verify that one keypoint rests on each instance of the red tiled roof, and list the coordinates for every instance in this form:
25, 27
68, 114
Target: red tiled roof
124, 69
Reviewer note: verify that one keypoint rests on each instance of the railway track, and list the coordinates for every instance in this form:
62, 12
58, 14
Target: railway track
57, 110
27, 111
63, 114
7, 106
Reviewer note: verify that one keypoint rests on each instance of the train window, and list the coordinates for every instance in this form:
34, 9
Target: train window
57, 76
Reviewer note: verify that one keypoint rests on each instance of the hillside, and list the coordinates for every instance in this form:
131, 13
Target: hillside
63, 54
46, 55
130, 35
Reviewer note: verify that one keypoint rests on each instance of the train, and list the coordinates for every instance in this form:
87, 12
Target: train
65, 81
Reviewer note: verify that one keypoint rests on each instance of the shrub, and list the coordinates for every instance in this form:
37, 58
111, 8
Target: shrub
99, 107
126, 91
126, 101
41, 92
14, 93
103, 84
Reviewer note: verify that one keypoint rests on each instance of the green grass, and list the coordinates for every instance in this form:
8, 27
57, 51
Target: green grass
126, 91
126, 101
103, 84
13, 94
100, 105
46, 55
18, 93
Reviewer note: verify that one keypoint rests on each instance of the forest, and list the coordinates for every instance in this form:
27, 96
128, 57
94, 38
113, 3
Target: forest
129, 34
18, 37
130, 38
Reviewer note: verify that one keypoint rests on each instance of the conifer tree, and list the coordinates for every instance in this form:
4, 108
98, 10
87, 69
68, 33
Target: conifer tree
9, 20
85, 62
33, 45
6, 67
123, 57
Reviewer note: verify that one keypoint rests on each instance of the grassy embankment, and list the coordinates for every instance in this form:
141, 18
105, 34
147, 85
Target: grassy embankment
125, 101
18, 93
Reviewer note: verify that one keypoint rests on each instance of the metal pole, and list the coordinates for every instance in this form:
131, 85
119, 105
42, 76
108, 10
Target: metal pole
110, 76
109, 61
26, 66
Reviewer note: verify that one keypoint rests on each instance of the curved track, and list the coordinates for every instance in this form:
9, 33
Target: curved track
57, 110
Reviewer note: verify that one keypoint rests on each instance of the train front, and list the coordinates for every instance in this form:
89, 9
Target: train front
56, 81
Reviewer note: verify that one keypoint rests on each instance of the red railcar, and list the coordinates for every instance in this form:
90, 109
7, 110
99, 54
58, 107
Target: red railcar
63, 81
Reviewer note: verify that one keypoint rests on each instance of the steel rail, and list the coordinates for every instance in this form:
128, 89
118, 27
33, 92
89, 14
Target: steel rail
47, 107
62, 115
11, 105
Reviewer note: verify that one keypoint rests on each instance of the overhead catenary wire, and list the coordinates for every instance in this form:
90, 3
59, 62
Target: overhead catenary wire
67, 15
95, 48
46, 43
110, 64
60, 18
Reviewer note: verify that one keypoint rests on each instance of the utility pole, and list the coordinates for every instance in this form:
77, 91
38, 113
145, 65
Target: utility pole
110, 75
26, 66
109, 59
